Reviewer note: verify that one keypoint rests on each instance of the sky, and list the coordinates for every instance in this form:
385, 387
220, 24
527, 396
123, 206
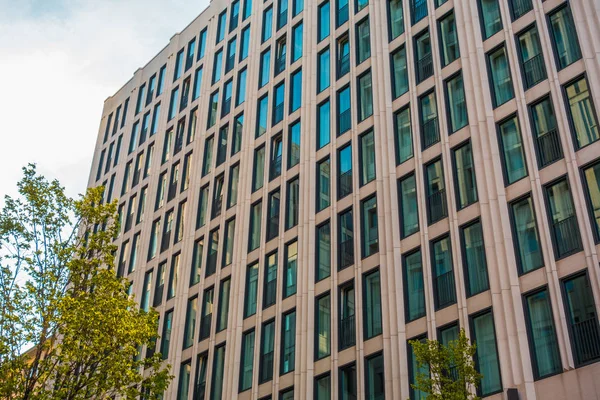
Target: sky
59, 61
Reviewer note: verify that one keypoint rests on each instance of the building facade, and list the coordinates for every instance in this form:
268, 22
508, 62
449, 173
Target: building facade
306, 185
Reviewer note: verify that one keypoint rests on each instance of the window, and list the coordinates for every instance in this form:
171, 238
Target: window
202, 206
270, 285
372, 305
213, 106
424, 60
395, 18
222, 26
374, 377
323, 387
403, 135
344, 122
449, 39
236, 141
591, 179
323, 28
323, 67
344, 171
155, 120
367, 157
526, 241
139, 104
259, 169
208, 154
323, 251
267, 348
245, 43
229, 240
295, 91
486, 357
363, 41
273, 215
323, 326
323, 124
543, 343
166, 334
230, 62
123, 258
342, 12
153, 246
213, 249
343, 54
546, 137
197, 261
370, 240
247, 362
247, 9
562, 218
491, 21
297, 33
294, 144
414, 370
187, 166
413, 286
282, 16
145, 301
348, 384
531, 57
222, 145
133, 142
200, 379
207, 311
474, 260
582, 318
456, 103
323, 184
255, 217
288, 343
267, 22
160, 284
202, 44
235, 15
232, 192
564, 35
184, 380
409, 206
430, 133
518, 8
297, 7
513, 154
418, 9
278, 106
180, 225
435, 188
263, 115
465, 185
584, 123
217, 66
292, 206
190, 54
444, 289
501, 81
347, 328
173, 276
250, 297
240, 96
290, 269
216, 385
365, 96
190, 322
346, 239
399, 72
223, 304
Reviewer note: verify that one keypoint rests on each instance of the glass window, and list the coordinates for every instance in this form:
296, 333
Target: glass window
259, 169
531, 57
563, 220
403, 136
294, 144
247, 8
396, 18
230, 62
519, 8
227, 93
323, 253
250, 297
290, 269
430, 133
278, 100
527, 243
160, 284
370, 240
265, 68
202, 206
223, 304
160, 88
323, 327
247, 362
323, 184
444, 288
292, 208
200, 379
348, 384
487, 361
222, 26
409, 216
344, 123
323, 124
363, 40
414, 370
216, 392
564, 35
591, 180
490, 17
173, 276
208, 152
414, 286
372, 304
295, 91
374, 377
263, 115
165, 343
347, 328
184, 380
235, 14
202, 44
245, 43
474, 260
513, 154
145, 301
270, 284
236, 141
456, 103
255, 220
346, 239
423, 56
365, 96
282, 13
343, 62
582, 113
297, 7
217, 66
545, 130
449, 43
543, 347
418, 10
501, 81
435, 187
323, 23
323, 387
323, 65
178, 65
367, 157
241, 87
344, 171
213, 106
582, 319
190, 322
464, 180
273, 215
232, 193
267, 352
342, 12
196, 261
207, 311
267, 26
297, 33
288, 343
400, 72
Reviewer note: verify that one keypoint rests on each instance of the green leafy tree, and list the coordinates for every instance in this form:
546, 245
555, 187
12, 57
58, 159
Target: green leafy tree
60, 297
446, 372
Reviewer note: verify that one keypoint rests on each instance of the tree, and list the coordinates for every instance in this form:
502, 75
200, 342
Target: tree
60, 297
446, 372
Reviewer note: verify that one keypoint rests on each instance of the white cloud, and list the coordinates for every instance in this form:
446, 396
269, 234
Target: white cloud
60, 59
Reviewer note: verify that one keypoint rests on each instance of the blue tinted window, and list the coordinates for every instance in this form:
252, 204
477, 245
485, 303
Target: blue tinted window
241, 87
202, 46
263, 111
244, 43
297, 45
296, 91
217, 66
178, 65
161, 82
197, 83
267, 27
265, 68
174, 102
324, 17
324, 70
323, 124
221, 27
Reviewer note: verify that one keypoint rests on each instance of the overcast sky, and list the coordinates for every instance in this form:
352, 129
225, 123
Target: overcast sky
59, 61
